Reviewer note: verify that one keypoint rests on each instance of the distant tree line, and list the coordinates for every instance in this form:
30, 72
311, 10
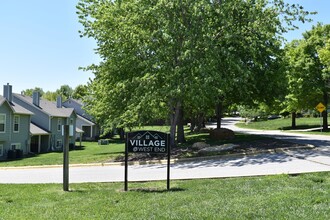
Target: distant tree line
65, 91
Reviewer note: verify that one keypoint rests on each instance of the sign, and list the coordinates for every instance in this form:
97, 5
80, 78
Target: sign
70, 130
147, 142
320, 107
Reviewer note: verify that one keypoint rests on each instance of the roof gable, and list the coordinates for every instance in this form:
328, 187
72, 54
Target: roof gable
46, 106
79, 108
17, 109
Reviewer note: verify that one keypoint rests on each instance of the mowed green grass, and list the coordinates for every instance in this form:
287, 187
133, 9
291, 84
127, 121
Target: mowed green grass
306, 196
89, 152
283, 124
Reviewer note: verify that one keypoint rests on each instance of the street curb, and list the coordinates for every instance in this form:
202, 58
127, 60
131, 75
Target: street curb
172, 161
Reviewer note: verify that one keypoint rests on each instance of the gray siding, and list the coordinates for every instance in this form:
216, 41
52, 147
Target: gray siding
5, 110
46, 117
23, 135
56, 134
83, 123
5, 136
9, 137
78, 107
40, 118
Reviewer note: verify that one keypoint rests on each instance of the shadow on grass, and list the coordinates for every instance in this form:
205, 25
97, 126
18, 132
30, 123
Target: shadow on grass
110, 153
298, 127
205, 137
78, 148
116, 141
156, 190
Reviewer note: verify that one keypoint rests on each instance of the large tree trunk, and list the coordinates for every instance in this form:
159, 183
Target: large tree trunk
193, 124
174, 121
293, 120
180, 134
219, 114
121, 132
200, 121
325, 112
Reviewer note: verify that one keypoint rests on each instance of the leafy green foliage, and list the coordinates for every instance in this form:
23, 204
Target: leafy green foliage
161, 56
80, 92
50, 96
324, 54
29, 92
308, 74
65, 91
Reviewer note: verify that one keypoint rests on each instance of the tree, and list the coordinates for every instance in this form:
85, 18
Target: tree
80, 92
324, 53
65, 91
309, 75
29, 92
160, 57
50, 96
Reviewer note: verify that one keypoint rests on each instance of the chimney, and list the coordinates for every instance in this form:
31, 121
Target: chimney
59, 101
36, 98
7, 92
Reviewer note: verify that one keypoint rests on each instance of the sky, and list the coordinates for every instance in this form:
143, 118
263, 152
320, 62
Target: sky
40, 44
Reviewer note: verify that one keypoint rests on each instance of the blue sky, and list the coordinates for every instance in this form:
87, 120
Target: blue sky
40, 45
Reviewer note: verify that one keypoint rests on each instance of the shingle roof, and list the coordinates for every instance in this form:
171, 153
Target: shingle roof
16, 108
86, 120
78, 130
2, 100
78, 106
35, 130
48, 107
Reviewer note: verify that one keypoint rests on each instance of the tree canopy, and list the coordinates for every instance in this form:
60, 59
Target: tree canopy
309, 69
29, 92
159, 57
65, 91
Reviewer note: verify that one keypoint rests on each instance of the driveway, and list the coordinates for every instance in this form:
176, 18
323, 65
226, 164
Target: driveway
304, 161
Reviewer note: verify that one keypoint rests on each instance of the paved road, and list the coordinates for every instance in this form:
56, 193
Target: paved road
315, 160
320, 141
320, 154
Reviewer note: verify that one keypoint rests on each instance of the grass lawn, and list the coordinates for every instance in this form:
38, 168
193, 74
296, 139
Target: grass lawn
285, 124
91, 152
305, 196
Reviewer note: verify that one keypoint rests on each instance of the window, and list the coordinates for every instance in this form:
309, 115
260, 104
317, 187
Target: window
16, 123
2, 123
16, 146
1, 150
59, 143
59, 124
